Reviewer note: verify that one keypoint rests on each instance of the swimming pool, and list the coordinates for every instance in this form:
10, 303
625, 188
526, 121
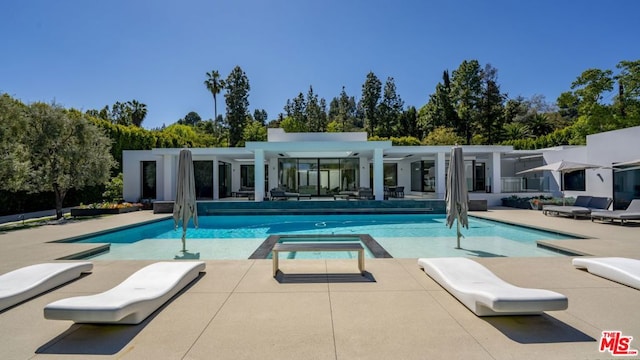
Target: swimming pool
402, 235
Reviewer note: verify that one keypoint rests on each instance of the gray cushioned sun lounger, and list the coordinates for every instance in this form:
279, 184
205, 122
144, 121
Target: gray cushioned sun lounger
485, 294
27, 282
631, 213
131, 301
622, 270
583, 206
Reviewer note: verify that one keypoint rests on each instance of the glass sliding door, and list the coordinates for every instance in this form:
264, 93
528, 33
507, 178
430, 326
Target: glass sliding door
287, 174
318, 177
247, 176
349, 174
308, 176
203, 172
423, 176
329, 176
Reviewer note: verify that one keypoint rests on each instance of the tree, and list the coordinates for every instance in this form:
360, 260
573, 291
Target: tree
409, 122
121, 114
594, 116
627, 102
371, 90
466, 93
442, 136
491, 118
439, 110
389, 110
66, 151
138, 111
255, 131
14, 154
215, 85
516, 131
296, 109
289, 124
342, 111
315, 112
260, 116
192, 119
237, 99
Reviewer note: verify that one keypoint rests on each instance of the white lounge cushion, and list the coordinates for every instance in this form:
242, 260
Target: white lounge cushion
133, 300
27, 282
623, 270
484, 293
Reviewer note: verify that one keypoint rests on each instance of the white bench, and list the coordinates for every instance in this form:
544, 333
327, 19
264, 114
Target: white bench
27, 282
622, 270
293, 247
480, 290
133, 300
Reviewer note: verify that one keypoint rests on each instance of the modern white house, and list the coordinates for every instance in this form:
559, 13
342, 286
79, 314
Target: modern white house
321, 165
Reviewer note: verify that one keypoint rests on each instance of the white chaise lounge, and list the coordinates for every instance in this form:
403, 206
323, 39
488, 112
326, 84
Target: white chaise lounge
622, 270
24, 283
133, 300
485, 294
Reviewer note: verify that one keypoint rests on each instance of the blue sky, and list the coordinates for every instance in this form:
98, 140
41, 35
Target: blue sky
87, 54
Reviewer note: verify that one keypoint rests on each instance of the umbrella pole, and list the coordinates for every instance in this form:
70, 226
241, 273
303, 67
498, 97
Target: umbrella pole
184, 241
458, 231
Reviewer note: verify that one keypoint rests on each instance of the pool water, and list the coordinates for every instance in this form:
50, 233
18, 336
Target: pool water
402, 235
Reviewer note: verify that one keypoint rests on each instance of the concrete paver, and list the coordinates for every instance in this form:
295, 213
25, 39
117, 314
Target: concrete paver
237, 310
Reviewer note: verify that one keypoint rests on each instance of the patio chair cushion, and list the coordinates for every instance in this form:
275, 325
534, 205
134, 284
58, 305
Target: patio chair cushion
27, 282
582, 201
622, 270
133, 300
485, 294
599, 203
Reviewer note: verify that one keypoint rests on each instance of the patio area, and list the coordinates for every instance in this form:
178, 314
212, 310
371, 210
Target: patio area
237, 310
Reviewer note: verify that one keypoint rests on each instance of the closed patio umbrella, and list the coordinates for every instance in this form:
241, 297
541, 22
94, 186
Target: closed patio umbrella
184, 207
457, 196
562, 167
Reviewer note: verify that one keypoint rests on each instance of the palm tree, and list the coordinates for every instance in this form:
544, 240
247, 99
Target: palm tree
138, 112
215, 85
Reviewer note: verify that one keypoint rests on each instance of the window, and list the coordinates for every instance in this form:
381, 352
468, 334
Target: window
203, 172
574, 181
390, 174
148, 178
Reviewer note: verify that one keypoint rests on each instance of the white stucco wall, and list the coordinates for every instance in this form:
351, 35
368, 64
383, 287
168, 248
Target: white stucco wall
609, 148
132, 172
602, 149
279, 135
573, 154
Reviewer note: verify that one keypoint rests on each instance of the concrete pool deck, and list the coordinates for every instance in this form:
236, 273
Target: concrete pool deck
237, 310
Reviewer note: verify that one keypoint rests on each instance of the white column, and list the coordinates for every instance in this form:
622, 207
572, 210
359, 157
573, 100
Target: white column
496, 181
273, 174
169, 174
364, 172
259, 174
441, 173
378, 174
216, 179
